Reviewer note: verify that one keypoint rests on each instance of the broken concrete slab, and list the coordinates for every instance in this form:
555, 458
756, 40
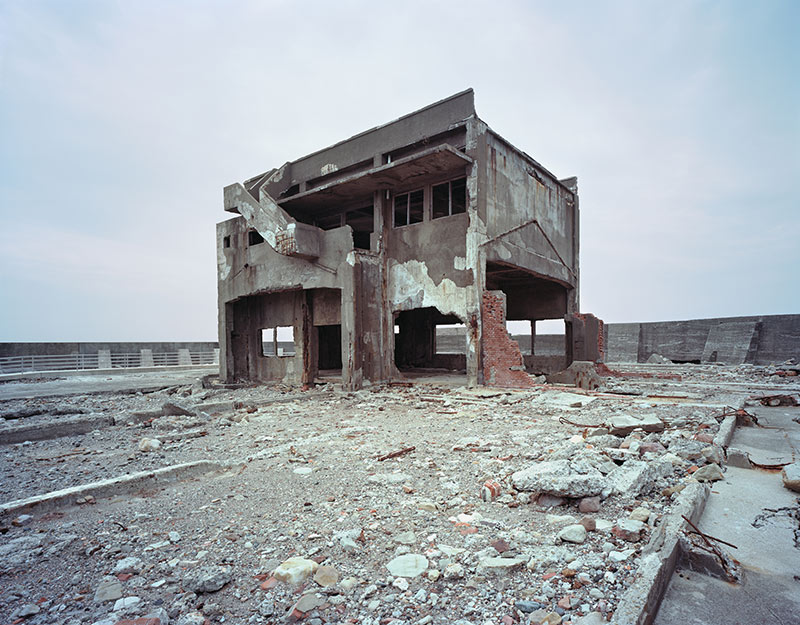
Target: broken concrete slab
622, 425
558, 478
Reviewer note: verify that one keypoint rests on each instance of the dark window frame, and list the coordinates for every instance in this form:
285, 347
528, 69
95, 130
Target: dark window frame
449, 184
408, 196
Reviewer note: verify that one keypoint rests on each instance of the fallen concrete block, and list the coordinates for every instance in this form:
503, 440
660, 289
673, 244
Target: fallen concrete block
557, 477
791, 476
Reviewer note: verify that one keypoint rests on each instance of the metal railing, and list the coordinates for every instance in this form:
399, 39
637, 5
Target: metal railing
78, 362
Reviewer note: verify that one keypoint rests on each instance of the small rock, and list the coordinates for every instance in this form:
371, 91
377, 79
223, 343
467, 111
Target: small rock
401, 583
131, 565
406, 538
573, 534
125, 602
629, 530
527, 606
500, 565
29, 609
110, 589
295, 570
791, 476
207, 579
149, 444
589, 523
589, 504
308, 602
193, 618
549, 501
453, 571
22, 519
174, 537
620, 556
408, 565
708, 473
640, 514
326, 576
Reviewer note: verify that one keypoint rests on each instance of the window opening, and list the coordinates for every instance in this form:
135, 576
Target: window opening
254, 238
449, 198
408, 208
277, 341
362, 221
451, 338
226, 241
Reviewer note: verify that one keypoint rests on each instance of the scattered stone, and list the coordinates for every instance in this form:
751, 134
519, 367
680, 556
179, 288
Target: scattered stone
149, 444
501, 565
192, 618
628, 529
131, 565
640, 514
589, 523
671, 490
22, 519
109, 589
589, 504
174, 537
308, 602
791, 476
406, 538
738, 458
527, 606
29, 609
207, 579
408, 565
620, 556
709, 473
549, 501
622, 425
453, 571
125, 602
573, 534
326, 576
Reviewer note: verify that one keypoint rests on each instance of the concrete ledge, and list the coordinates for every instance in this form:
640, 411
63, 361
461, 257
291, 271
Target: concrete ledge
114, 486
57, 429
639, 604
65, 373
725, 432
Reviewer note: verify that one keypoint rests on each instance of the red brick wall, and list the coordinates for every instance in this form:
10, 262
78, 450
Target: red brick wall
502, 360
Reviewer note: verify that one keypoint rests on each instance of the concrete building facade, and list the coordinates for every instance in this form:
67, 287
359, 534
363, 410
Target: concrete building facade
349, 258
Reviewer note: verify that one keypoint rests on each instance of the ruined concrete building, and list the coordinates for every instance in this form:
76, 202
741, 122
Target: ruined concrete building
349, 258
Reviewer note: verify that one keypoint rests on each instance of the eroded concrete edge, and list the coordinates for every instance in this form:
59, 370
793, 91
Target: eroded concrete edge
114, 486
640, 603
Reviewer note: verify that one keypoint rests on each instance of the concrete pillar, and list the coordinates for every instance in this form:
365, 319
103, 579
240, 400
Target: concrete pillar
146, 358
184, 357
104, 359
216, 355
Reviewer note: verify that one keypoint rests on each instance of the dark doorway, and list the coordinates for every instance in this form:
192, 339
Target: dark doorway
330, 347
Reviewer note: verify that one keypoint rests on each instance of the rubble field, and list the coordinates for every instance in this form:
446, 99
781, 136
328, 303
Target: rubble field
397, 504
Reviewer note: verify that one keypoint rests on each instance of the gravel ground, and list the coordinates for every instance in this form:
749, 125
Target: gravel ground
409, 539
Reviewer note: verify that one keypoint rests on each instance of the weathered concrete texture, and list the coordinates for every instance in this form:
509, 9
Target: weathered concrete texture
409, 225
762, 340
66, 348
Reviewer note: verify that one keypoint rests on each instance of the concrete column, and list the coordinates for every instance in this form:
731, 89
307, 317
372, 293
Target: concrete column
351, 353
146, 358
216, 356
104, 359
184, 357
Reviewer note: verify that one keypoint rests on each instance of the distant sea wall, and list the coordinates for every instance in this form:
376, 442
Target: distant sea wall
760, 340
63, 349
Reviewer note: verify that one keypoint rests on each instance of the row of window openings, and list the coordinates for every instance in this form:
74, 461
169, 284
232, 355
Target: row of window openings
448, 198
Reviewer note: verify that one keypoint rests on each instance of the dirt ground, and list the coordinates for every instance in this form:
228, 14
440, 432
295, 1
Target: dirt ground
304, 476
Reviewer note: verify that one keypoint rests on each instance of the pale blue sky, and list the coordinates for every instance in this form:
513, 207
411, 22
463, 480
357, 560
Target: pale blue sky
120, 122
